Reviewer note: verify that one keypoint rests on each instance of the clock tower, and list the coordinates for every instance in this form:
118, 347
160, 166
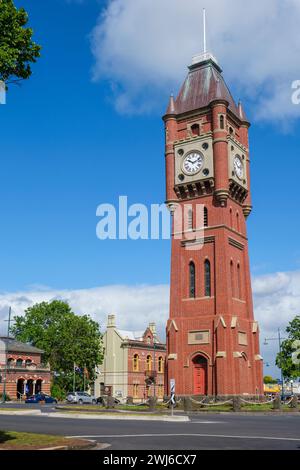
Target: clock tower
212, 337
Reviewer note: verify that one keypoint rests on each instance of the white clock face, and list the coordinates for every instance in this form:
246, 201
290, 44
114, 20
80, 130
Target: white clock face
193, 163
238, 167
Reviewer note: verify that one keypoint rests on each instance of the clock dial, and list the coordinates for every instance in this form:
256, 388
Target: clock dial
193, 163
238, 167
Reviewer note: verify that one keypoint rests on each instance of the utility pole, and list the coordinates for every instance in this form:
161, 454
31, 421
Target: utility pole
279, 339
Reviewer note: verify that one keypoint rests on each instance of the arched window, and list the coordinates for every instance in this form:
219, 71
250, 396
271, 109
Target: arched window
239, 281
28, 362
222, 122
231, 220
160, 364
237, 221
207, 278
149, 363
195, 128
10, 362
232, 279
205, 217
136, 360
19, 362
192, 274
135, 390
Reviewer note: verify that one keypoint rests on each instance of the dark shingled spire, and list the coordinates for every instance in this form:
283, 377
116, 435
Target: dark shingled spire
203, 85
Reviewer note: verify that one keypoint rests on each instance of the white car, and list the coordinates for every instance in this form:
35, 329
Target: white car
80, 398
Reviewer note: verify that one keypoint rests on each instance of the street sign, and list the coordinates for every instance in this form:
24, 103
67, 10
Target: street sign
172, 390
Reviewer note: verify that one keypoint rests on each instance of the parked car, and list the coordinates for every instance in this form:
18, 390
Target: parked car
81, 397
40, 397
103, 400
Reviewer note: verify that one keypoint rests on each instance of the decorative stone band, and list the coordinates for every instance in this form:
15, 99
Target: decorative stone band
216, 141
236, 244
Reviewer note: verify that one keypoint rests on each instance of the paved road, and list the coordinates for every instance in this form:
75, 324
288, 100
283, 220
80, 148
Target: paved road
216, 431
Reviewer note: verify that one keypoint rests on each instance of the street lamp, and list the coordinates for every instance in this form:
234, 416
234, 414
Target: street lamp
279, 339
292, 387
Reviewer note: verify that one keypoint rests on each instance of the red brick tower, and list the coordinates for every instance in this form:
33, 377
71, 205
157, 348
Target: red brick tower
212, 337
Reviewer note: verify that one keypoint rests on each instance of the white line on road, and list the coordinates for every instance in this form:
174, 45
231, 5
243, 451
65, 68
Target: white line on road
207, 422
221, 436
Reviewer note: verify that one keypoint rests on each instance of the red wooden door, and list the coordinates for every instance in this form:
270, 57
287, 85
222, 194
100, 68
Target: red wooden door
200, 379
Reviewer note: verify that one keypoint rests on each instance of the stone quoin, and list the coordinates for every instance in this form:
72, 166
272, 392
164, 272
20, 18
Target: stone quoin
212, 336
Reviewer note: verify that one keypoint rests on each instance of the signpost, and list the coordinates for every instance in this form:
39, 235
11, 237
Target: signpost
172, 399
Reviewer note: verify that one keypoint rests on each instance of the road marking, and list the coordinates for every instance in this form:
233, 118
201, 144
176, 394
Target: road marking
207, 422
221, 436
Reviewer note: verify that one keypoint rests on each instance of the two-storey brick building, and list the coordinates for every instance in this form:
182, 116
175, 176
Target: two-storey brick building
22, 370
133, 363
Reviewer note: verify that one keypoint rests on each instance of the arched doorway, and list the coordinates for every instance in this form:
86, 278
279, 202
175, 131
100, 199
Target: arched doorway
29, 387
20, 388
200, 375
38, 386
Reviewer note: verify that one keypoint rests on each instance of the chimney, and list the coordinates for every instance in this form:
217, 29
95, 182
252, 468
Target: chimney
152, 328
111, 321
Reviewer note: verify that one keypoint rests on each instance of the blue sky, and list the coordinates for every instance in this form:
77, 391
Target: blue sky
68, 145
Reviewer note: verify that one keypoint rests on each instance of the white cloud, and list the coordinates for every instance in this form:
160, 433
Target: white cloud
143, 47
135, 306
276, 300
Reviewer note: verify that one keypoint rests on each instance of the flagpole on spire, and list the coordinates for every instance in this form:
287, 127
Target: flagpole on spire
204, 31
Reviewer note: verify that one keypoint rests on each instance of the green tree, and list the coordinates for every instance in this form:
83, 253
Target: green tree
289, 358
17, 50
65, 338
269, 380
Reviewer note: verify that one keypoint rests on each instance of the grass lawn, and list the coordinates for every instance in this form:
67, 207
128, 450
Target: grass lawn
11, 440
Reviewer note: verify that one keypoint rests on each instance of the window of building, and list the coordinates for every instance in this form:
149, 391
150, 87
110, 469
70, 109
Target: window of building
135, 391
160, 364
237, 221
205, 217
28, 362
10, 362
231, 219
207, 278
136, 360
222, 122
19, 362
195, 128
190, 219
149, 363
192, 280
232, 279
239, 282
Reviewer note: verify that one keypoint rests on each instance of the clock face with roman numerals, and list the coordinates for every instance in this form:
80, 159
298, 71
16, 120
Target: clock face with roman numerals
192, 163
238, 167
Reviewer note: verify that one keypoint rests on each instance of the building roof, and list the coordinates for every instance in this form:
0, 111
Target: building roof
203, 85
132, 335
13, 345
